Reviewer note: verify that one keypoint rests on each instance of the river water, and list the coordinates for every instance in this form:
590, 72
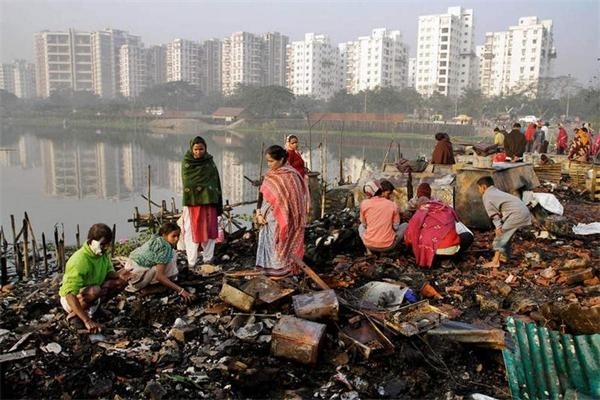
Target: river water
66, 178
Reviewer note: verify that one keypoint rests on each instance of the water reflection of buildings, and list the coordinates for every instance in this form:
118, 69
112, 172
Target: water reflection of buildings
235, 188
92, 170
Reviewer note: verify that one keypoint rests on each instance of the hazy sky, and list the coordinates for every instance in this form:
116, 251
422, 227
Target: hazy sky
576, 22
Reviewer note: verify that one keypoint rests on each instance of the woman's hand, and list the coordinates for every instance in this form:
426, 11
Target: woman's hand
187, 296
260, 219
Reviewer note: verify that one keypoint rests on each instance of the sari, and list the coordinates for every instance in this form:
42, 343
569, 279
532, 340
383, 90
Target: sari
284, 208
432, 227
581, 147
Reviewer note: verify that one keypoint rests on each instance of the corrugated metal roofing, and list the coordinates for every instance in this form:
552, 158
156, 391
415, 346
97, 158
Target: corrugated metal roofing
546, 364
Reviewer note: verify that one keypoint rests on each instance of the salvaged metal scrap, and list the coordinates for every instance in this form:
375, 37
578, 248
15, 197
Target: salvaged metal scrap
467, 333
297, 339
363, 335
548, 364
316, 305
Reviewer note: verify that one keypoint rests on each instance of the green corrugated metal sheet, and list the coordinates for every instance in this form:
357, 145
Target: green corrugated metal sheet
545, 364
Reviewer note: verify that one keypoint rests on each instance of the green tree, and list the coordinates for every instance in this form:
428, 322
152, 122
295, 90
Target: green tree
344, 102
179, 96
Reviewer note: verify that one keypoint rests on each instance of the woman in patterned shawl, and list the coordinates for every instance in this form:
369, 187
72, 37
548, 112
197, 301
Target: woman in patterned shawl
580, 146
281, 217
202, 201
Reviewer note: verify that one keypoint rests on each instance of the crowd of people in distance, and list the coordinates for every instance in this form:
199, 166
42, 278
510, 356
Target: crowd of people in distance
584, 146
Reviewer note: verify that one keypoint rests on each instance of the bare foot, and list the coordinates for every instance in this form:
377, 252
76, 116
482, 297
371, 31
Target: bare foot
491, 264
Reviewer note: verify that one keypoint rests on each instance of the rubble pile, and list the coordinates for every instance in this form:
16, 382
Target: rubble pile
348, 327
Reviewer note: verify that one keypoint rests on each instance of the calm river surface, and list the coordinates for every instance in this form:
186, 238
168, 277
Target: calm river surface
67, 178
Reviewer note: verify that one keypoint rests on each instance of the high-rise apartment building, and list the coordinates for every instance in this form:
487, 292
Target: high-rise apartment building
156, 65
275, 58
183, 61
378, 60
314, 67
132, 67
243, 60
106, 50
63, 61
446, 59
210, 66
412, 72
18, 78
514, 61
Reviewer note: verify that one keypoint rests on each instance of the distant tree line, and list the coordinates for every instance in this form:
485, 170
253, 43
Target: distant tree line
557, 99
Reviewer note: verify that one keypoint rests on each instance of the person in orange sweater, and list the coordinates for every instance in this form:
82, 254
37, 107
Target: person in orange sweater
380, 228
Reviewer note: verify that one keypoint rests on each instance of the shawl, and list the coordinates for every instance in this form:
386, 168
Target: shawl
296, 161
562, 139
284, 189
155, 251
442, 153
427, 228
201, 183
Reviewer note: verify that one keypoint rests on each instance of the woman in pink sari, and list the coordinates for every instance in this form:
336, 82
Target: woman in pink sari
282, 216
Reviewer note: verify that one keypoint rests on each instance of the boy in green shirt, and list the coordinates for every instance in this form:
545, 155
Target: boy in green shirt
90, 278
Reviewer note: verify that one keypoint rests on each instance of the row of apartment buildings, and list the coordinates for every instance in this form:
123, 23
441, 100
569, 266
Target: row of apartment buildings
112, 62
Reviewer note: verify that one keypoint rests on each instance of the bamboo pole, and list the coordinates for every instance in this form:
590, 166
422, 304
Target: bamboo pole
3, 271
15, 247
45, 250
34, 249
26, 250
78, 237
112, 243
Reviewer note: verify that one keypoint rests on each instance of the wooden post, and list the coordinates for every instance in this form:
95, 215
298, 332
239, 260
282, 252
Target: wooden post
34, 249
3, 271
26, 249
114, 238
16, 249
45, 250
78, 237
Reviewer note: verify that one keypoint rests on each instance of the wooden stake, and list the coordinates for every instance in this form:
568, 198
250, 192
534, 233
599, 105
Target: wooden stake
34, 249
78, 237
15, 247
26, 249
45, 250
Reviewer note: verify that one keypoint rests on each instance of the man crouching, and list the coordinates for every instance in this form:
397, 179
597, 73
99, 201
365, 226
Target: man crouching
90, 278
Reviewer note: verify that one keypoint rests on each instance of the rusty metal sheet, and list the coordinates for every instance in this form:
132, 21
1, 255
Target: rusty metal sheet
547, 364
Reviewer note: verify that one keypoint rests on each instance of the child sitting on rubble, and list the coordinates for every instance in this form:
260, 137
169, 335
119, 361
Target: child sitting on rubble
155, 262
380, 228
90, 279
508, 213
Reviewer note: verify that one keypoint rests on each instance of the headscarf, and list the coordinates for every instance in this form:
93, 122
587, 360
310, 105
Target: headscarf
284, 189
201, 183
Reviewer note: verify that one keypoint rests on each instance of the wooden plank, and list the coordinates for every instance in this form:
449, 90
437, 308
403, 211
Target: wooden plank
17, 355
312, 274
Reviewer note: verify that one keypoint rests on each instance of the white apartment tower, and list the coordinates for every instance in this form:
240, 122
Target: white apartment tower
446, 59
242, 61
156, 65
378, 60
514, 61
106, 50
275, 58
183, 61
314, 67
132, 69
210, 67
63, 61
412, 72
18, 78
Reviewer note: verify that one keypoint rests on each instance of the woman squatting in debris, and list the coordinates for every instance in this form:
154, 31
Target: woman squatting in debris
202, 202
281, 216
155, 263
379, 228
90, 279
434, 231
507, 212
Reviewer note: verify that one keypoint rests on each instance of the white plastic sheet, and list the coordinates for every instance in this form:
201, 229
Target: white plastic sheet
587, 229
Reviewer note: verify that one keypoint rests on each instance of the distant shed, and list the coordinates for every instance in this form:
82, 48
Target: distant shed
229, 114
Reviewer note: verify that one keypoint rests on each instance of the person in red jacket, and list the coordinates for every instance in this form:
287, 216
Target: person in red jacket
562, 140
529, 136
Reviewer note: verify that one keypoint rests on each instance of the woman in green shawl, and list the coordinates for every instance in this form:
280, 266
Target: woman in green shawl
202, 201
